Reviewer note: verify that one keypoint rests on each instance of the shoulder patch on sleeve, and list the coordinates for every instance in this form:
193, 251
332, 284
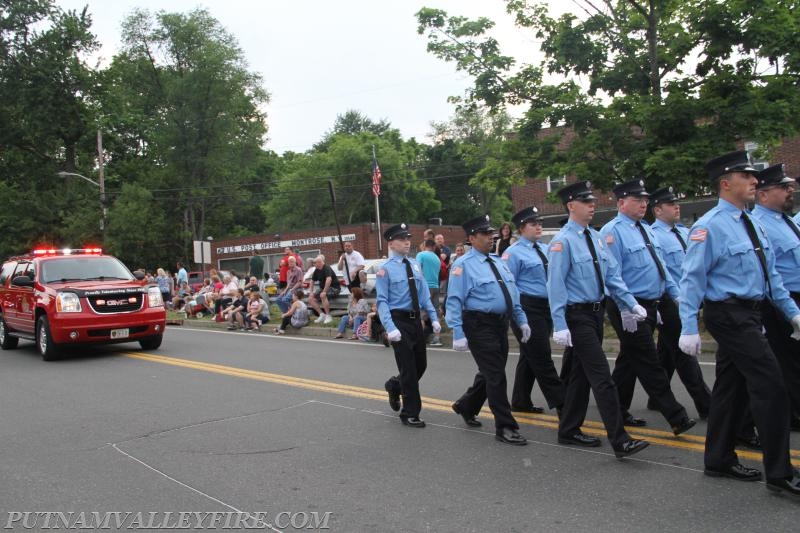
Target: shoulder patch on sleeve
381, 272
698, 235
457, 271
556, 246
610, 239
505, 256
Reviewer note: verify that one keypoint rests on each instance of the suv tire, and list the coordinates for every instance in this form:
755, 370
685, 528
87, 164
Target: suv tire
44, 342
7, 342
151, 343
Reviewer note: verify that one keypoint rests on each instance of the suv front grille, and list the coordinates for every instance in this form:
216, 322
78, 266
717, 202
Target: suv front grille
116, 303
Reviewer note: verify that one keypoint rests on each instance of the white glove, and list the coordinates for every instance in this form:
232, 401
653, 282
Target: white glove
629, 321
393, 335
526, 333
639, 312
460, 345
658, 318
563, 337
690, 344
437, 328
795, 321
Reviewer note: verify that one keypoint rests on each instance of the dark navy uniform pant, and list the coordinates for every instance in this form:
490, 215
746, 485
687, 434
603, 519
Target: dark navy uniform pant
487, 335
786, 350
535, 358
588, 369
412, 360
638, 359
746, 368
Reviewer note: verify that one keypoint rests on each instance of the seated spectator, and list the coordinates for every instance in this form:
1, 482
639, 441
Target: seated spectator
357, 311
227, 294
252, 284
296, 315
236, 310
294, 281
183, 295
202, 303
257, 312
328, 288
371, 330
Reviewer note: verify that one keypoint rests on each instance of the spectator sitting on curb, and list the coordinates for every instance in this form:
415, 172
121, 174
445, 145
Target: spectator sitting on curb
203, 303
236, 310
183, 295
371, 330
257, 312
294, 281
329, 288
296, 315
357, 311
252, 285
226, 295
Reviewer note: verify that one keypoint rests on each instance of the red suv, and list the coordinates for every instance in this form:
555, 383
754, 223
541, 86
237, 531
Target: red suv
69, 297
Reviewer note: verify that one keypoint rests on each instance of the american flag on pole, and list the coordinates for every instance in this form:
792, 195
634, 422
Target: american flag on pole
376, 177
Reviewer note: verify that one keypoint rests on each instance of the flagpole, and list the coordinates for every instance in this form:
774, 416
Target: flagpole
377, 211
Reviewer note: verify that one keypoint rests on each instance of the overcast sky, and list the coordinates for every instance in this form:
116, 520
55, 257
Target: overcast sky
320, 58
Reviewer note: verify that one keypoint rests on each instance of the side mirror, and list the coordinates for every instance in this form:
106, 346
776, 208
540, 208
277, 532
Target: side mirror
138, 274
22, 281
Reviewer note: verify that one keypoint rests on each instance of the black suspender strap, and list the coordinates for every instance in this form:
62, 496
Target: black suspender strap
502, 283
587, 234
412, 286
652, 250
762, 258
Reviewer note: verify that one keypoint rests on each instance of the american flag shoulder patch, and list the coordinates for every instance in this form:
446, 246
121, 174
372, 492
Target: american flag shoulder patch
556, 246
698, 235
381, 272
610, 239
457, 271
505, 256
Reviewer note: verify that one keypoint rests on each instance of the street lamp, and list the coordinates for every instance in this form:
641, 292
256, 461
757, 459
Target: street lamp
101, 185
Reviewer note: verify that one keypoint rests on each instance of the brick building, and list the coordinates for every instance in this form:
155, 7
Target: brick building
535, 191
233, 254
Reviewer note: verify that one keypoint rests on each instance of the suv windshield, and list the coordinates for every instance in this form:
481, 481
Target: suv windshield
83, 268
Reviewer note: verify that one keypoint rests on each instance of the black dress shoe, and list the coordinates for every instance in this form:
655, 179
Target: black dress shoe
580, 439
413, 422
511, 436
630, 447
469, 420
531, 409
631, 420
394, 397
683, 426
737, 471
754, 443
790, 486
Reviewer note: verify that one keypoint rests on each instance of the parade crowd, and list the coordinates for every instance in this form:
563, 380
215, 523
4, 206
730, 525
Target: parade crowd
740, 266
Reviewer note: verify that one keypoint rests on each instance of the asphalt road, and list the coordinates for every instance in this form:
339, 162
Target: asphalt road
237, 422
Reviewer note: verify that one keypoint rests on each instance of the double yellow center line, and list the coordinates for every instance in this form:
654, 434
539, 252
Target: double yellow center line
663, 438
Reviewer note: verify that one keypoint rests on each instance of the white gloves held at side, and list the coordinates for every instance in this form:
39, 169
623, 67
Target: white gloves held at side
526, 333
460, 345
437, 328
639, 312
629, 321
690, 344
393, 335
563, 337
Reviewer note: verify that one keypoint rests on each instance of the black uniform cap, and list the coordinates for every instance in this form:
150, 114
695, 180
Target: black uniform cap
774, 175
396, 232
581, 191
633, 188
478, 225
529, 214
738, 161
663, 196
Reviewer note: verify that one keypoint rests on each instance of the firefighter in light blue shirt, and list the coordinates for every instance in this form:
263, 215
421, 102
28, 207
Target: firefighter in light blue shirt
730, 262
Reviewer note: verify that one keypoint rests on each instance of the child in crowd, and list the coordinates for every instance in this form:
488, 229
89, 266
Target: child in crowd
257, 312
236, 310
357, 311
296, 315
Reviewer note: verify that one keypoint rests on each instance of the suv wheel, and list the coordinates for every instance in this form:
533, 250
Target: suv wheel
44, 343
7, 342
151, 343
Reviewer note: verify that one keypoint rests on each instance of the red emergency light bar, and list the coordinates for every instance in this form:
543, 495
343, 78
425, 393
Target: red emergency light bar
67, 251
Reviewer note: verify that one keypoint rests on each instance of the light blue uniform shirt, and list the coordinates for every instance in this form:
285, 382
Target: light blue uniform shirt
797, 218
391, 284
721, 263
785, 244
671, 249
572, 278
638, 269
431, 265
527, 268
473, 287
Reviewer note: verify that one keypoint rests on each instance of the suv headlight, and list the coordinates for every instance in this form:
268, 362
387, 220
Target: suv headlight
68, 302
154, 298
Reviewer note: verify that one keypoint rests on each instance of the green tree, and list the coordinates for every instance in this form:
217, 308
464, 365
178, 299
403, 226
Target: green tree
645, 110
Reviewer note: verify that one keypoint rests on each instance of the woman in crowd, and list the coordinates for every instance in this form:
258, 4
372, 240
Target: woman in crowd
257, 312
505, 239
164, 285
296, 315
357, 311
183, 295
236, 310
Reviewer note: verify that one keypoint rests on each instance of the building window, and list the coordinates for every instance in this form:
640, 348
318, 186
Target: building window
752, 149
553, 184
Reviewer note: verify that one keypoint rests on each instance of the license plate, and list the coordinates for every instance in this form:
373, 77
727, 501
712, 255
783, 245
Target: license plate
120, 333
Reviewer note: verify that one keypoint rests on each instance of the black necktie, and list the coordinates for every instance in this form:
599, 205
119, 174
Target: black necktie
541, 255
680, 239
762, 259
651, 250
597, 270
791, 224
502, 283
412, 286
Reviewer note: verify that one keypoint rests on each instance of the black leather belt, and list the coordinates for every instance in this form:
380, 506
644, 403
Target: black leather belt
398, 313
648, 304
533, 300
481, 314
587, 306
754, 305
